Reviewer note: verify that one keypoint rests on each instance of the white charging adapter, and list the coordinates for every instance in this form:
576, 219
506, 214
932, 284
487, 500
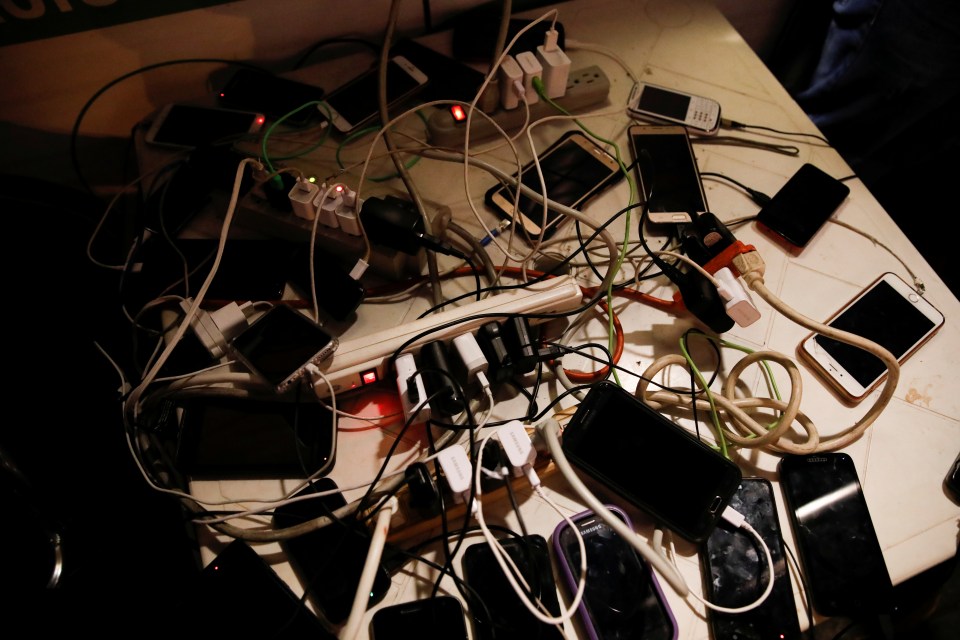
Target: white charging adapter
457, 471
346, 210
736, 298
474, 362
531, 68
302, 197
517, 445
511, 83
217, 328
327, 207
556, 65
411, 388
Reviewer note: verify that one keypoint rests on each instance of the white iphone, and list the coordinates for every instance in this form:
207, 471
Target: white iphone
356, 103
699, 115
889, 312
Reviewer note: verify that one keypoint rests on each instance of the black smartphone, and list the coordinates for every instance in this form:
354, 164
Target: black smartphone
801, 206
836, 541
735, 571
245, 438
185, 126
336, 292
575, 169
499, 614
648, 460
622, 598
241, 595
355, 104
439, 618
668, 177
330, 560
271, 95
280, 344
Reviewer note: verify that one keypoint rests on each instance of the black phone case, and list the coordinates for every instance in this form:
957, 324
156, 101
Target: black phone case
803, 205
438, 618
735, 571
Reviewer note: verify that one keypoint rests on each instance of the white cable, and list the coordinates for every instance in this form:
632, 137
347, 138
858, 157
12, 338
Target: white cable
377, 542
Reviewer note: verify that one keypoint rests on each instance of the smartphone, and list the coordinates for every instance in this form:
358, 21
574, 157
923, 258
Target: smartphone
575, 169
336, 292
667, 173
801, 206
889, 312
438, 618
185, 126
280, 344
622, 598
735, 571
245, 438
836, 542
697, 114
951, 482
355, 104
271, 95
241, 595
499, 614
328, 561
656, 465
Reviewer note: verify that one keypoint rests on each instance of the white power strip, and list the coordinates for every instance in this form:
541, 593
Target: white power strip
358, 356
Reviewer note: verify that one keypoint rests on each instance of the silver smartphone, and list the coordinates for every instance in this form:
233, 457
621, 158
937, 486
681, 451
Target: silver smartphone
186, 126
667, 173
356, 103
698, 114
889, 312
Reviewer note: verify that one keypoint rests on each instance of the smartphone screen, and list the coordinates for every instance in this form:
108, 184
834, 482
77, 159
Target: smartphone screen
501, 615
187, 126
645, 458
574, 168
280, 343
439, 618
735, 571
357, 104
837, 543
667, 173
330, 560
622, 597
803, 205
275, 97
888, 312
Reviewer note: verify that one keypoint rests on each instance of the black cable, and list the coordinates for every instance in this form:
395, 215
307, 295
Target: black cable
757, 196
328, 41
733, 124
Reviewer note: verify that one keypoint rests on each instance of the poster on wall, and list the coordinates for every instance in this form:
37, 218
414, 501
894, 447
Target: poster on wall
27, 20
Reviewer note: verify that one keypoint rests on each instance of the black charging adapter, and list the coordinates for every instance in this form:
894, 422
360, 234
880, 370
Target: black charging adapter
494, 348
396, 223
521, 343
702, 299
424, 493
439, 378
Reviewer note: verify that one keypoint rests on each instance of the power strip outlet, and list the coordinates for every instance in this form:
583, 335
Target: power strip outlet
355, 359
585, 87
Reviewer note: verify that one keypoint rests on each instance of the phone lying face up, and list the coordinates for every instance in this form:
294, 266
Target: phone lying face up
622, 598
667, 173
889, 312
185, 126
658, 466
575, 169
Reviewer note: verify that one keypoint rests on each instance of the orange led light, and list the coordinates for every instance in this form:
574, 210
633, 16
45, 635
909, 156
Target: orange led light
458, 113
368, 377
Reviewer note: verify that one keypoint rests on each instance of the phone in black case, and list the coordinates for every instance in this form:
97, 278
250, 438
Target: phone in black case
836, 541
438, 618
735, 571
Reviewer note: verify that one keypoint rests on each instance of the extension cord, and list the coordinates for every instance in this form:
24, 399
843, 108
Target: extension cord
585, 87
353, 358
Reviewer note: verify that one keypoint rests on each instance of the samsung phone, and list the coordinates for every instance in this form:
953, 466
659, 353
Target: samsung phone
697, 114
888, 312
836, 541
575, 169
438, 618
622, 598
280, 344
499, 614
661, 468
329, 561
667, 173
801, 207
356, 103
184, 126
736, 572
271, 95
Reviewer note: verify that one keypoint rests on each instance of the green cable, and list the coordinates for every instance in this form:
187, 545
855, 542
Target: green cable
541, 91
266, 136
358, 134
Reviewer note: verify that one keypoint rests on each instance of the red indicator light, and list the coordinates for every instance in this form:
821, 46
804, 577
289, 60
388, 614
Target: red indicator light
261, 120
368, 377
458, 113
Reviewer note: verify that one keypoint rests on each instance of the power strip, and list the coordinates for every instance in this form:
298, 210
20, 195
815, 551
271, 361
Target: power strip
585, 87
355, 359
